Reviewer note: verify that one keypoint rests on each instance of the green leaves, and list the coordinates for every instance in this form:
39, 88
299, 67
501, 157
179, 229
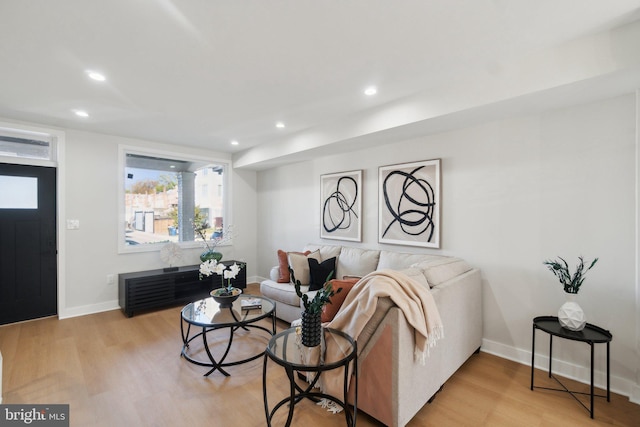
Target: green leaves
322, 297
570, 282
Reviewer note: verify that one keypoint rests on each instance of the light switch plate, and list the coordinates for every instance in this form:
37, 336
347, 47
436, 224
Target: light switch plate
73, 224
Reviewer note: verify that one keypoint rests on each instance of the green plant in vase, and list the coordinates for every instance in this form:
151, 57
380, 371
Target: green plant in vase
311, 325
218, 237
570, 282
570, 316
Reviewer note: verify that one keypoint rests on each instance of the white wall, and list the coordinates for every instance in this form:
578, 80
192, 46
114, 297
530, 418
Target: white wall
90, 195
514, 193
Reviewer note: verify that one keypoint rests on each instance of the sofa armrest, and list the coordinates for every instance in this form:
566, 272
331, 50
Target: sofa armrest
274, 274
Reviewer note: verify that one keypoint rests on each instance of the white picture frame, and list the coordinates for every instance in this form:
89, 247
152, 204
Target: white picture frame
409, 204
341, 206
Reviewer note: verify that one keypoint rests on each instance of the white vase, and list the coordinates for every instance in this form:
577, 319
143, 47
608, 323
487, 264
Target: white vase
570, 315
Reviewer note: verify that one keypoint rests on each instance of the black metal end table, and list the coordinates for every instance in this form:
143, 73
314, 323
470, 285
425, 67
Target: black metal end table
591, 334
287, 351
210, 316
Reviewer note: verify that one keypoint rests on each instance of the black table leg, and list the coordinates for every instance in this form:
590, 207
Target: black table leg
264, 390
591, 380
533, 351
216, 365
550, 353
292, 394
185, 337
355, 398
608, 378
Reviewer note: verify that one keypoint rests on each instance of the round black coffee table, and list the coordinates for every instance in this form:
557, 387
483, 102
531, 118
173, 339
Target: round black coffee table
210, 316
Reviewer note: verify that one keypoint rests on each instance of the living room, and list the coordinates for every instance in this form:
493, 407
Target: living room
539, 159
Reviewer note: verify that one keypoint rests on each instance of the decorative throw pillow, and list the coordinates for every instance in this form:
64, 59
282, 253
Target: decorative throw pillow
319, 271
329, 310
300, 266
283, 266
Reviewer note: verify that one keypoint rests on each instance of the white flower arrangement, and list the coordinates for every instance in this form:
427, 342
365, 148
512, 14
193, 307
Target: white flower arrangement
212, 266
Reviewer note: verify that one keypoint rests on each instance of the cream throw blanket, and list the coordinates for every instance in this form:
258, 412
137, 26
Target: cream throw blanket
413, 298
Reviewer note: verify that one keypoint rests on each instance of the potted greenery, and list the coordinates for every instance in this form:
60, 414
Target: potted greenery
571, 316
218, 237
311, 324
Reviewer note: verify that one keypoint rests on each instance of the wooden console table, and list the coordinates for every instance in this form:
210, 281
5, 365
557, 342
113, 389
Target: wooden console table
145, 290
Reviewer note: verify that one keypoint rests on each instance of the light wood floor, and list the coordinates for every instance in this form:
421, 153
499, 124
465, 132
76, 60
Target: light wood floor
118, 371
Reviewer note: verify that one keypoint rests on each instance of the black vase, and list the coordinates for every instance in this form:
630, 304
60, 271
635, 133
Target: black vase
311, 329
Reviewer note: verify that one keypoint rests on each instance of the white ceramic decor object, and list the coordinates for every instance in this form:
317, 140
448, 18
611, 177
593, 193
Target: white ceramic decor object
571, 316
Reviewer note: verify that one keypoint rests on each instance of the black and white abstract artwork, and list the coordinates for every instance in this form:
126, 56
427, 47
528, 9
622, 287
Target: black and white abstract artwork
341, 206
409, 204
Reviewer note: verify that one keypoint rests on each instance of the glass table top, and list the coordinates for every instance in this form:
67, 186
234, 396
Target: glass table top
207, 312
286, 347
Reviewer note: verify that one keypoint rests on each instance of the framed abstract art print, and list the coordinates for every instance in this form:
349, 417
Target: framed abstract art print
409, 204
341, 206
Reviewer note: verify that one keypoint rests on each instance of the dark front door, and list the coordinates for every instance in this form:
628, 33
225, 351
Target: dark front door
28, 268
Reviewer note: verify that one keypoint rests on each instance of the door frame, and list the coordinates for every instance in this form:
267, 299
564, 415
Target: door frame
58, 162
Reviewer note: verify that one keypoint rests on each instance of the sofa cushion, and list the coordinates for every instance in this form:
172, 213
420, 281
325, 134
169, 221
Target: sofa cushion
399, 260
326, 251
417, 275
329, 310
320, 271
438, 271
281, 292
356, 262
299, 263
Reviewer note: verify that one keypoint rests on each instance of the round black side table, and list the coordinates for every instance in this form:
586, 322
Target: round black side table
591, 334
286, 350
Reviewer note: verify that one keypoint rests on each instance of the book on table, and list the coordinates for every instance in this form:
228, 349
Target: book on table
251, 303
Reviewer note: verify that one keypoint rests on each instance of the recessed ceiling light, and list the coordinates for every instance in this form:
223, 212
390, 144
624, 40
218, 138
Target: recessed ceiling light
371, 90
81, 113
172, 166
234, 142
94, 75
280, 125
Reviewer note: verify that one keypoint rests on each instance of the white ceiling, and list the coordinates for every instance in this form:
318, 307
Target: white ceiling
205, 72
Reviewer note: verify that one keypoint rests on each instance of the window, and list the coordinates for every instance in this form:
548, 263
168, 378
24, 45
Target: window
25, 144
19, 192
165, 195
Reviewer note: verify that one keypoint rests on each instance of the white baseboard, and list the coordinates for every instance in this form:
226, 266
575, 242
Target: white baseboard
575, 372
88, 309
635, 394
254, 279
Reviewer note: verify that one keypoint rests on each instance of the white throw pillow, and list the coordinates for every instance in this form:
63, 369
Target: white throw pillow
326, 251
399, 260
356, 262
300, 265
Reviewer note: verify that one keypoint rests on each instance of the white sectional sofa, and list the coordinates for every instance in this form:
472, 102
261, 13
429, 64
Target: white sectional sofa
393, 386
